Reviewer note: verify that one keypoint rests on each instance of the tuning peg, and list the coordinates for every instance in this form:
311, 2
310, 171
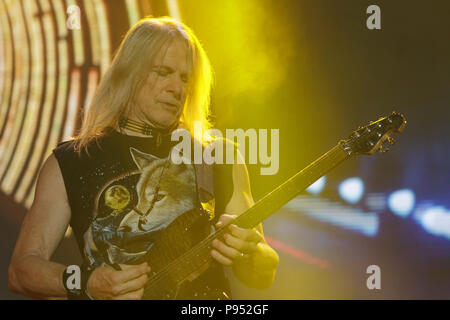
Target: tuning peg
391, 141
383, 149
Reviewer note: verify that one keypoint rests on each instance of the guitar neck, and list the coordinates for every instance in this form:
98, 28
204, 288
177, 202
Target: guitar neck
273, 201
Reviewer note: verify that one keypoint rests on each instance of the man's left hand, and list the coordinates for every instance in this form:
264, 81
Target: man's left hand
236, 243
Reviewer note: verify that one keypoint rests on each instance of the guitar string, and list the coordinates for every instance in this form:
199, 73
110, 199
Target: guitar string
206, 242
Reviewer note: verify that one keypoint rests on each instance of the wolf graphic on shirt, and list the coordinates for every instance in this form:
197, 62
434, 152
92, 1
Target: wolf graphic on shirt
129, 217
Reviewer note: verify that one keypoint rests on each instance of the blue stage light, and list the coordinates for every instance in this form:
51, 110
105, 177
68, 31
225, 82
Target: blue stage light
317, 186
351, 189
401, 202
435, 220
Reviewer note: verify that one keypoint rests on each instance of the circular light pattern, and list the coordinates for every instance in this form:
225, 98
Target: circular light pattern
351, 189
51, 60
317, 186
401, 202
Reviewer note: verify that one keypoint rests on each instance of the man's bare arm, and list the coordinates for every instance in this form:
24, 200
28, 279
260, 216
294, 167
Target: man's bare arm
257, 269
30, 271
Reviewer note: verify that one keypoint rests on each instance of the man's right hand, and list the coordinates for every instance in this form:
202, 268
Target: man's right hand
106, 283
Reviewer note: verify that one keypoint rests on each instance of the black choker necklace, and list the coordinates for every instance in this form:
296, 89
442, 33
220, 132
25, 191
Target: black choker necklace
143, 128
146, 129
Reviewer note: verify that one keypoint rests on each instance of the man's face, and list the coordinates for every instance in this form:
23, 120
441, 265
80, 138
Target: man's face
162, 96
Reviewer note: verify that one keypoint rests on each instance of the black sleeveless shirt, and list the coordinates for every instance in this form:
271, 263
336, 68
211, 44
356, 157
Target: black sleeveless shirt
114, 182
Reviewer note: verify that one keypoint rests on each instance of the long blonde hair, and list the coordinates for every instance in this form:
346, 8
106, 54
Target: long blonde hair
131, 66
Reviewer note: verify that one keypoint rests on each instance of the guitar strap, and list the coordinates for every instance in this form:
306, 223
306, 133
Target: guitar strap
205, 187
214, 186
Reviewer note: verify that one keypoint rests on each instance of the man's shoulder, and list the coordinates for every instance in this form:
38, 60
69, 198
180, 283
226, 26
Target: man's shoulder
65, 148
65, 145
71, 150
74, 149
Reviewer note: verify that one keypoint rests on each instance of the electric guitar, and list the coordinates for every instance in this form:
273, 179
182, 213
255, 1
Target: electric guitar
173, 265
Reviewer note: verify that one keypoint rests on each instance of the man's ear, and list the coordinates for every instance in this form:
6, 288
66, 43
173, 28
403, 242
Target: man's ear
141, 159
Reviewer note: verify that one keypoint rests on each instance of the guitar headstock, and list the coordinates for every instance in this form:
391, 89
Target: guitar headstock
370, 139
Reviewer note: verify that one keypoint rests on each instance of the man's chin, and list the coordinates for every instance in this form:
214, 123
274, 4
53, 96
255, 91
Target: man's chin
167, 121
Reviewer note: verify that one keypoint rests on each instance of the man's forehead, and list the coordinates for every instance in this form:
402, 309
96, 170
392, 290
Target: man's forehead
172, 55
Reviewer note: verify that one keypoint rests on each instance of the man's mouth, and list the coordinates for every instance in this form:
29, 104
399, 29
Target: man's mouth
169, 105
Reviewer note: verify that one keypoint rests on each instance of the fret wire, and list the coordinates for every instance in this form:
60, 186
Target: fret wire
330, 157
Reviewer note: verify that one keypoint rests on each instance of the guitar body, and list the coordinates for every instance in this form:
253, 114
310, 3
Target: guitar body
175, 240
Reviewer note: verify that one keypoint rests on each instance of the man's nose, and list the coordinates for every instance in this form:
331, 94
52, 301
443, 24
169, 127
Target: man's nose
176, 86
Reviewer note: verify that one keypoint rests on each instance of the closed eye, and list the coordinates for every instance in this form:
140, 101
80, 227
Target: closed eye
164, 71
